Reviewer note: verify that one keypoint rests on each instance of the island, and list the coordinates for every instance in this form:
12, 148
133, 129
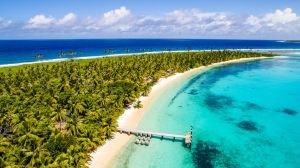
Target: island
56, 114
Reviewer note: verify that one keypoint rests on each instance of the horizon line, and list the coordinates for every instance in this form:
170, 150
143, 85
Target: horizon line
121, 38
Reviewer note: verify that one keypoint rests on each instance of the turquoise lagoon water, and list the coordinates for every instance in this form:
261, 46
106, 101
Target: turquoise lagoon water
243, 115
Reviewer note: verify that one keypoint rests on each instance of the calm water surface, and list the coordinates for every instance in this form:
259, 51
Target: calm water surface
244, 115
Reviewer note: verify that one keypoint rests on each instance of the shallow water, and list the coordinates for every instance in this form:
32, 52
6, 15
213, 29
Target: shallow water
243, 115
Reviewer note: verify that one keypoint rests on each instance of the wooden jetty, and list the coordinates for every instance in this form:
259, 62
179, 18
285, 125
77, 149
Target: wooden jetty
187, 137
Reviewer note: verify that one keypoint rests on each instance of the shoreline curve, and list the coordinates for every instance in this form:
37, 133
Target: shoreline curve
105, 154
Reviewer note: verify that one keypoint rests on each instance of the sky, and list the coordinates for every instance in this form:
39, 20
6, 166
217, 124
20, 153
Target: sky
206, 19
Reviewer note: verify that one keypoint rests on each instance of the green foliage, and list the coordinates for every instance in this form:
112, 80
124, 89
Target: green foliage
59, 143
138, 105
55, 114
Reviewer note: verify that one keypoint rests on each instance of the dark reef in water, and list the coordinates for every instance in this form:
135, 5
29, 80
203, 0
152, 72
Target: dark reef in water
289, 111
193, 92
251, 106
216, 102
229, 119
248, 125
186, 87
207, 155
207, 79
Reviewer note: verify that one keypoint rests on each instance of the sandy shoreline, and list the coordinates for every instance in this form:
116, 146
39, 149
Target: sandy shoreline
103, 156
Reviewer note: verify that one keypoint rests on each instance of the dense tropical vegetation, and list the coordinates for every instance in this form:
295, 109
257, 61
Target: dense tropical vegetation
293, 41
55, 114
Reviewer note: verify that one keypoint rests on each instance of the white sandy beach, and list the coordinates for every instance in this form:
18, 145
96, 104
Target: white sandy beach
103, 156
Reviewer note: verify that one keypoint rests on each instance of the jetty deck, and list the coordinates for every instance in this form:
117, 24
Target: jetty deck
187, 137
158, 134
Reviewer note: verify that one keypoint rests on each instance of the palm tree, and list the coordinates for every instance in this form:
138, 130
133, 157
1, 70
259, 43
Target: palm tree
60, 117
5, 145
38, 157
29, 140
72, 53
73, 125
38, 56
61, 54
78, 108
138, 105
62, 160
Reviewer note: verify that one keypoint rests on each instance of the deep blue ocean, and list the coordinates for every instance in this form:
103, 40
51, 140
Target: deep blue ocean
19, 51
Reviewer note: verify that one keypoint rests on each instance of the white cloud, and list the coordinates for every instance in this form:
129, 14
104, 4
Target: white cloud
254, 22
67, 20
40, 21
280, 17
184, 22
43, 22
4, 23
177, 22
122, 22
180, 17
194, 16
115, 16
118, 19
279, 21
